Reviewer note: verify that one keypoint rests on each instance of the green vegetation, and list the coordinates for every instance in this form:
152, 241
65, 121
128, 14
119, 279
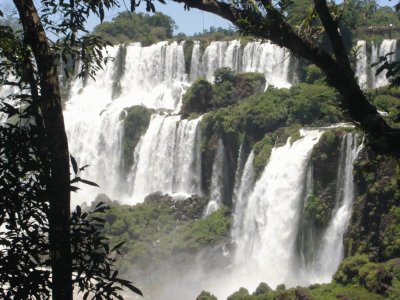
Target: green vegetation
137, 27
158, 233
206, 296
136, 121
375, 228
228, 89
357, 278
386, 99
268, 119
197, 98
317, 210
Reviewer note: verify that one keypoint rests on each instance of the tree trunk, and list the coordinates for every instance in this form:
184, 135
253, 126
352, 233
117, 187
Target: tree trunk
57, 190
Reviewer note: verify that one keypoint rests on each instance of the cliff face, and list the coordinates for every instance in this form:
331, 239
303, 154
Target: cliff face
375, 225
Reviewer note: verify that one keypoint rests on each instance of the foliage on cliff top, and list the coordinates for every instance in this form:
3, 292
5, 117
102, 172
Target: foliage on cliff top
137, 27
157, 236
228, 89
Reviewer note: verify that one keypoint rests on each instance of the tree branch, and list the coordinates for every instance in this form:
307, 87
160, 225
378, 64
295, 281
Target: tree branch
332, 31
273, 27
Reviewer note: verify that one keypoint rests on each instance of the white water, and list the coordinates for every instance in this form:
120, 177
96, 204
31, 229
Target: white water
266, 243
266, 58
364, 72
331, 251
153, 76
217, 180
168, 158
244, 188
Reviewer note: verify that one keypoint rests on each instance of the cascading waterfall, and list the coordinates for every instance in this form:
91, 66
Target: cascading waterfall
362, 68
221, 54
331, 250
153, 76
268, 213
168, 158
364, 72
266, 244
244, 188
217, 180
269, 59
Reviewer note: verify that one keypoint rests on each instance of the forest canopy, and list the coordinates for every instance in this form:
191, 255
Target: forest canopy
138, 27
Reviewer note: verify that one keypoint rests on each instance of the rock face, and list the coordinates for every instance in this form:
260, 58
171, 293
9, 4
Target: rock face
136, 121
184, 209
374, 228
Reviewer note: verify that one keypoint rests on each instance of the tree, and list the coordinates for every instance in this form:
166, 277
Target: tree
138, 27
270, 20
35, 186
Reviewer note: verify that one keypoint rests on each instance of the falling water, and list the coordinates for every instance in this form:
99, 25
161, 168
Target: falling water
266, 244
217, 180
331, 251
152, 76
168, 158
244, 189
365, 73
362, 68
269, 59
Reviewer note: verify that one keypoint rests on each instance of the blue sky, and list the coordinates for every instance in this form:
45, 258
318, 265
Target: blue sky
188, 22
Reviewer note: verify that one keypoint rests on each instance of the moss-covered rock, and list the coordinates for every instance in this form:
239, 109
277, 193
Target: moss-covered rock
136, 120
187, 54
197, 98
248, 84
262, 152
374, 227
166, 231
317, 210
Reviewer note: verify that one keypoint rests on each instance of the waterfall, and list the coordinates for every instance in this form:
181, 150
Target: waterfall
362, 64
195, 64
244, 188
271, 60
217, 180
263, 57
266, 244
168, 158
331, 250
309, 231
153, 76
92, 125
364, 72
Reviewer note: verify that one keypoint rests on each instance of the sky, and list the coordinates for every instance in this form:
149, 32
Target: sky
189, 22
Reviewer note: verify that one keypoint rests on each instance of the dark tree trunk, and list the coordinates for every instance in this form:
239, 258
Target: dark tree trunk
58, 191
